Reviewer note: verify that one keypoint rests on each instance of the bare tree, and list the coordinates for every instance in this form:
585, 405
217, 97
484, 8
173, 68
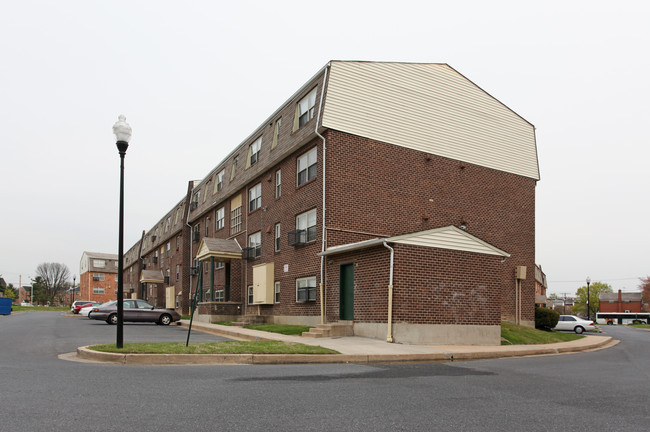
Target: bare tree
54, 276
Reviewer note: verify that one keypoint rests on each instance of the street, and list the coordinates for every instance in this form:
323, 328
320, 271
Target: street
600, 390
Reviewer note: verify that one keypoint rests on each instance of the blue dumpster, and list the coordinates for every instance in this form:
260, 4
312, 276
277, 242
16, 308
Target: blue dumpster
5, 306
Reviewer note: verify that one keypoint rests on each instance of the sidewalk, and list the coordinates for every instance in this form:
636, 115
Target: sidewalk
353, 349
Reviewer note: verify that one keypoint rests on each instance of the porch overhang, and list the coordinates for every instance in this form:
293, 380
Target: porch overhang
222, 250
449, 237
152, 276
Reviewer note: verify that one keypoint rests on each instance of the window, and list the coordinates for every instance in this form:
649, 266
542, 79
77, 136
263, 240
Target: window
306, 289
178, 271
99, 263
207, 226
98, 276
219, 219
178, 215
178, 242
276, 133
250, 294
254, 152
98, 290
169, 247
307, 166
233, 170
278, 183
276, 287
305, 110
255, 243
255, 197
168, 224
218, 183
277, 237
115, 278
235, 220
306, 222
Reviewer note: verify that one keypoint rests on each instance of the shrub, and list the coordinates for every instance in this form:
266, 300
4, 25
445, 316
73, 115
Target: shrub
546, 319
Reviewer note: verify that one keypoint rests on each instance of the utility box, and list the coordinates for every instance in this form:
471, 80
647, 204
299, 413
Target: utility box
5, 306
520, 272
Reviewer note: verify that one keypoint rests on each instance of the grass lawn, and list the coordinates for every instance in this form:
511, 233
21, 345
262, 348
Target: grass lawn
40, 308
518, 335
225, 347
285, 329
641, 326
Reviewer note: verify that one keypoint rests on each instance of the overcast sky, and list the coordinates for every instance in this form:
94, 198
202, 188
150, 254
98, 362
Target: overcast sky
195, 78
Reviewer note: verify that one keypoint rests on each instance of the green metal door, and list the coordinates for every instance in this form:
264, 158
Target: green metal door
346, 287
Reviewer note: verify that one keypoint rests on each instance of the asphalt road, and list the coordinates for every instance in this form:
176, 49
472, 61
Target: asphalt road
601, 390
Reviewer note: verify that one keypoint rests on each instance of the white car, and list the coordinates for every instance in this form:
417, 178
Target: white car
574, 323
25, 304
84, 311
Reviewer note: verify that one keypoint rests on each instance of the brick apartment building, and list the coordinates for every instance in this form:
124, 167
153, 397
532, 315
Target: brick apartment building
628, 302
397, 197
97, 277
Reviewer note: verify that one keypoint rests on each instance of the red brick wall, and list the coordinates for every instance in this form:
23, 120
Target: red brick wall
86, 285
380, 189
430, 286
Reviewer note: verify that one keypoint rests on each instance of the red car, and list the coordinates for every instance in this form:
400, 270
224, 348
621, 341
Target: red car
78, 304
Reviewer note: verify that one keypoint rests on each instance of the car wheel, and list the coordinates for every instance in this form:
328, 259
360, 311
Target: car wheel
165, 319
579, 330
112, 319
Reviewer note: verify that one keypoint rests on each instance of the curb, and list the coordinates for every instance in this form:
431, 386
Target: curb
266, 359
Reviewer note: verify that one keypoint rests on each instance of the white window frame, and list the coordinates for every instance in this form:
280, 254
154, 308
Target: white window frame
255, 242
98, 276
254, 151
99, 263
276, 292
278, 234
235, 220
307, 164
250, 298
307, 222
220, 218
278, 183
99, 290
255, 197
306, 289
219, 182
306, 108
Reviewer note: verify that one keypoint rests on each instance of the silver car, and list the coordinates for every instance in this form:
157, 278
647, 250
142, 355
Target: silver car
135, 311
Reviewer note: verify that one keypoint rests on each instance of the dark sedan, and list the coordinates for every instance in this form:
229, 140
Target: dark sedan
135, 311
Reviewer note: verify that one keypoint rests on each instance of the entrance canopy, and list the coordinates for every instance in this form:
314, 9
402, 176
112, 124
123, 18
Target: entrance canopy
222, 250
449, 237
152, 276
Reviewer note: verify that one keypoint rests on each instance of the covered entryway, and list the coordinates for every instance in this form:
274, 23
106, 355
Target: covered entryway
153, 277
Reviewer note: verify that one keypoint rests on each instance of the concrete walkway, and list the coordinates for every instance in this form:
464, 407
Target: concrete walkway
353, 349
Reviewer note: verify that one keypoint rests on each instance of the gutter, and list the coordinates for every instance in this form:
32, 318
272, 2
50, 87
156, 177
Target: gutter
389, 320
323, 317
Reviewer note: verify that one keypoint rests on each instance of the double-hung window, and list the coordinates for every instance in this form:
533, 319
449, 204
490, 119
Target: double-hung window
255, 197
219, 219
305, 110
278, 183
218, 184
255, 244
306, 289
277, 237
306, 224
307, 166
254, 152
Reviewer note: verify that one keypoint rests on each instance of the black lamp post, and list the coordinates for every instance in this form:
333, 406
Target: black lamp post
122, 132
588, 282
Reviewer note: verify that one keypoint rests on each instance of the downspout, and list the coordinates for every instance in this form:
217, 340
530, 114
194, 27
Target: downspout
389, 335
191, 240
323, 317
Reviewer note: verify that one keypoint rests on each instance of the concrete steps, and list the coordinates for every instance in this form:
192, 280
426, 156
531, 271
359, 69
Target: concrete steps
341, 328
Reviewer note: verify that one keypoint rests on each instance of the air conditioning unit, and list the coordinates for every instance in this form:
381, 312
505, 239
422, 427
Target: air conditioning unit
193, 205
297, 237
194, 271
248, 253
155, 260
96, 278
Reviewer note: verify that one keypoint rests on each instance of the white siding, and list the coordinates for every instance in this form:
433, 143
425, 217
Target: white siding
430, 108
448, 238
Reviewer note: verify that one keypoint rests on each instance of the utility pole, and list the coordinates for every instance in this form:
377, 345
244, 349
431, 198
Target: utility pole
564, 304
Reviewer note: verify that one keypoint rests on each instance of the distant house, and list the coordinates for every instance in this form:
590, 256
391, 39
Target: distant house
97, 277
540, 287
620, 302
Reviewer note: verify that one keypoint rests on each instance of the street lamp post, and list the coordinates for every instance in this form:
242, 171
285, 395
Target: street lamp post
122, 132
588, 282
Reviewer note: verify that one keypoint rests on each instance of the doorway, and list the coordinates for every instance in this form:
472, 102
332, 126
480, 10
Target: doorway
346, 288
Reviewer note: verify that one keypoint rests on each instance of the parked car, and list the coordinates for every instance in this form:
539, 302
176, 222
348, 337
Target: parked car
574, 323
84, 311
25, 304
78, 304
135, 311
